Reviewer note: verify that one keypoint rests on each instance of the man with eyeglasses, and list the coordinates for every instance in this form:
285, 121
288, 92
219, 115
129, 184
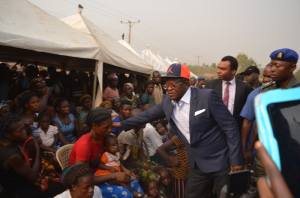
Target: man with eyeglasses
202, 121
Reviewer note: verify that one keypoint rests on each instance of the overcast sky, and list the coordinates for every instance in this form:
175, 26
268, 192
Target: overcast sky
185, 28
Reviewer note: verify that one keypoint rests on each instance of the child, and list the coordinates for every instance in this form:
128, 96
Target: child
49, 137
152, 189
180, 165
110, 163
164, 182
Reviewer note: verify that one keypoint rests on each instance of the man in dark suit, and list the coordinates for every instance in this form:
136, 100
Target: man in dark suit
233, 92
202, 121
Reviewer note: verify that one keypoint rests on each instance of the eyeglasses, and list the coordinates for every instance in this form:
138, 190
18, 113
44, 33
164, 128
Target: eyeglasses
173, 86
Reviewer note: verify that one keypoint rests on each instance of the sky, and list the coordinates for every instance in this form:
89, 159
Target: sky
184, 29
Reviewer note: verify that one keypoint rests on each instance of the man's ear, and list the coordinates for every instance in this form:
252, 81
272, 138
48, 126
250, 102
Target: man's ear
293, 67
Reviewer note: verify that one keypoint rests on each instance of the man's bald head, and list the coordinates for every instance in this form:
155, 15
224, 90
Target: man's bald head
148, 106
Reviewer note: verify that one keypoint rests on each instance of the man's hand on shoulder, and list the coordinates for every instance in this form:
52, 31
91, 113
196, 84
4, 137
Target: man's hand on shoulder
236, 168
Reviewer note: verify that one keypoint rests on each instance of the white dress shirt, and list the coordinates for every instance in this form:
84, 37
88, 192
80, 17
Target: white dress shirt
152, 139
181, 114
232, 89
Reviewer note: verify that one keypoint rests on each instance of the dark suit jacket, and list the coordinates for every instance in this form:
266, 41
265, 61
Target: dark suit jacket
215, 138
241, 94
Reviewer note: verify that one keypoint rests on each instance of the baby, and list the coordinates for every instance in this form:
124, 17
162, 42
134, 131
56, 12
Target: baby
110, 163
152, 189
164, 182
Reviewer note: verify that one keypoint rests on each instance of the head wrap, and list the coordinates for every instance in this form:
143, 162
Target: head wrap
96, 116
84, 96
111, 76
104, 103
71, 174
36, 81
128, 84
3, 104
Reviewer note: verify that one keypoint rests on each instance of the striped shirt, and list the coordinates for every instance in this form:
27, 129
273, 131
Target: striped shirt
181, 114
181, 171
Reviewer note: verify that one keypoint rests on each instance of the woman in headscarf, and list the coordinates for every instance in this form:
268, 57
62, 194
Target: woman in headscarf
111, 90
78, 179
107, 105
37, 85
89, 148
128, 89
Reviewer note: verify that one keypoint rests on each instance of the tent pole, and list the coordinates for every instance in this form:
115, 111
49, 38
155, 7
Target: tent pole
95, 84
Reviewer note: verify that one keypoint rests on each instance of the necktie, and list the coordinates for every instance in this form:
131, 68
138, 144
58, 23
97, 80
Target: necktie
226, 94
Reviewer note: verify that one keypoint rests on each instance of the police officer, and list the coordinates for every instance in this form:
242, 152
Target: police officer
283, 64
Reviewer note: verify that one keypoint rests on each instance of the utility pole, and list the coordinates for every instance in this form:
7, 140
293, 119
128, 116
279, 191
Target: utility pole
130, 24
198, 65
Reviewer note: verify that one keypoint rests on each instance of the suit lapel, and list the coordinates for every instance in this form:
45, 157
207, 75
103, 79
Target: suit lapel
238, 92
193, 105
219, 88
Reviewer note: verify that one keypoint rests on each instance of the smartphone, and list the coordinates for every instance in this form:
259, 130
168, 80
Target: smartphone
278, 120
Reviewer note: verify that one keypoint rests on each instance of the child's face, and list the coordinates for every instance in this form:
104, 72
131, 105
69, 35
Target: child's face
87, 103
165, 178
112, 146
160, 129
152, 189
28, 121
44, 122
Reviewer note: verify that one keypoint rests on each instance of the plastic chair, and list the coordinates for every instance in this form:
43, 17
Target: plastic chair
63, 155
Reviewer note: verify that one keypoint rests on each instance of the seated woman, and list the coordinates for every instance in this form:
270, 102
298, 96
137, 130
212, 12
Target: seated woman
89, 148
134, 139
107, 105
66, 123
147, 97
17, 176
86, 102
37, 85
128, 89
124, 114
78, 179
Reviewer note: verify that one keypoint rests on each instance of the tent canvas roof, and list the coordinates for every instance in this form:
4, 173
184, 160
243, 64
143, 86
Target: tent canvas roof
111, 51
29, 33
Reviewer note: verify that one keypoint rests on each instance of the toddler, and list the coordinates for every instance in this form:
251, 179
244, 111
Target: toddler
164, 182
110, 163
152, 189
49, 136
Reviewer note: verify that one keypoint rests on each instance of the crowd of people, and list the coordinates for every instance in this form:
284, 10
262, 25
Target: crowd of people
172, 136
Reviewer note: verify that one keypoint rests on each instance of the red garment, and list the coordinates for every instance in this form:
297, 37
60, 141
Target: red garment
86, 149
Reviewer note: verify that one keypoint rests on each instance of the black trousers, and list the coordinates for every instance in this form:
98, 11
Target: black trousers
199, 182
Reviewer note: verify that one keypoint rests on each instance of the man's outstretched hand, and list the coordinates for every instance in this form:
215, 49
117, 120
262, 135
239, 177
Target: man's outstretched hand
279, 187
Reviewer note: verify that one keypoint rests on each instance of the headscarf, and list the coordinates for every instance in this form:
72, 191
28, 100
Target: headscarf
84, 96
104, 103
128, 84
3, 104
111, 76
36, 81
96, 116
71, 174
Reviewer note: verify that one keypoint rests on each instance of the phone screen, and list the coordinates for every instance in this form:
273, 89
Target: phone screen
285, 120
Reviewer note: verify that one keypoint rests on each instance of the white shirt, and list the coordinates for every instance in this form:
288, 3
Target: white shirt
232, 89
67, 194
181, 114
152, 139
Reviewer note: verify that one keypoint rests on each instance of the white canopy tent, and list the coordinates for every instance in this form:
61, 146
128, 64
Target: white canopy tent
127, 45
153, 60
113, 56
30, 34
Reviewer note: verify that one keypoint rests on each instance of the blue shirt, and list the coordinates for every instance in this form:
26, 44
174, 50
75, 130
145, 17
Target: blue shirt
248, 112
114, 130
